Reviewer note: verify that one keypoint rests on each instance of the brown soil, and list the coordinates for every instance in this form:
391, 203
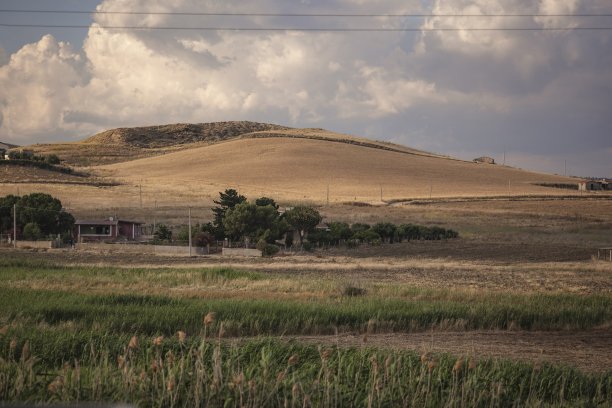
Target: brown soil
588, 350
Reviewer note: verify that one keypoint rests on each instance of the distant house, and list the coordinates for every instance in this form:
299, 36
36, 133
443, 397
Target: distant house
110, 229
594, 185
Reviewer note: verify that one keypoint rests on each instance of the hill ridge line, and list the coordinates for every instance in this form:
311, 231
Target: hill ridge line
373, 144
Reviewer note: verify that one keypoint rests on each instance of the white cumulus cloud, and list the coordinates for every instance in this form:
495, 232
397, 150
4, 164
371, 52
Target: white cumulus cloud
444, 90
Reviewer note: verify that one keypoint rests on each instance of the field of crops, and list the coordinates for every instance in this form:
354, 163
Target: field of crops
136, 335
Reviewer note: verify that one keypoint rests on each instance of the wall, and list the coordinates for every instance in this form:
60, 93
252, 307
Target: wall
35, 244
241, 252
179, 250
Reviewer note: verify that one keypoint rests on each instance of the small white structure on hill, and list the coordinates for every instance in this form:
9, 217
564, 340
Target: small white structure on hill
594, 185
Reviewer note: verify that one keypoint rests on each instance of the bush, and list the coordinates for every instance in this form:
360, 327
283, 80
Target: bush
270, 250
52, 159
267, 249
308, 246
353, 291
368, 236
162, 233
31, 232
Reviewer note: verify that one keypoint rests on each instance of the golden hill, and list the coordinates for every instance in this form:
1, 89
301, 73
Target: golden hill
300, 168
185, 164
124, 144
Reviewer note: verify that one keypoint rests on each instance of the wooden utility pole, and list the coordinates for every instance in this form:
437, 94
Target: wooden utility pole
140, 193
190, 231
14, 225
328, 194
381, 196
154, 217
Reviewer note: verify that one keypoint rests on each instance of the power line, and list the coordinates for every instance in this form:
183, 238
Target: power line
232, 14
310, 29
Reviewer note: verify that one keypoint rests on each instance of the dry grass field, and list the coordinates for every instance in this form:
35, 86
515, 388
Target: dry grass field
519, 302
304, 169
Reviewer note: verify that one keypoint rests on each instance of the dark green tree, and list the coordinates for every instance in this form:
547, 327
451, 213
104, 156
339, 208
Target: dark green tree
6, 212
263, 201
247, 220
32, 232
339, 231
386, 230
227, 200
302, 219
45, 211
162, 233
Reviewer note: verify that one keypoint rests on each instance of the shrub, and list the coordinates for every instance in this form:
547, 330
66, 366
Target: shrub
162, 233
52, 159
267, 249
352, 291
31, 232
358, 227
368, 236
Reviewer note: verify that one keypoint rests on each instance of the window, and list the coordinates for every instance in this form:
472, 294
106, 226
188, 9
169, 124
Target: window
95, 230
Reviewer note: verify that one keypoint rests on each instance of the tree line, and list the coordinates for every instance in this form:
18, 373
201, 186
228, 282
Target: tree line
261, 223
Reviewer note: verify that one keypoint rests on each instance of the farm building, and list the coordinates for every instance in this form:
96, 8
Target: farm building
110, 229
593, 185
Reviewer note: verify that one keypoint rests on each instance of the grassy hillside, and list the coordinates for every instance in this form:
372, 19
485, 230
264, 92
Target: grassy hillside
183, 163
125, 144
305, 168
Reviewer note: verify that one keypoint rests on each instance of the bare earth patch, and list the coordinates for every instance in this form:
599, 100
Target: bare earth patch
586, 350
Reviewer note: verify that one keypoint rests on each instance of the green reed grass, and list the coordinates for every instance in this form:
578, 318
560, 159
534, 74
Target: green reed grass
161, 314
201, 372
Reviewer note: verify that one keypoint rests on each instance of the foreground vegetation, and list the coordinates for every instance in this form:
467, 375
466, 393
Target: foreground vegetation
199, 372
105, 338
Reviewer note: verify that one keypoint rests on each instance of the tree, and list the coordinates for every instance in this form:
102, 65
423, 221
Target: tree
162, 233
247, 220
227, 200
6, 212
386, 230
32, 232
238, 222
303, 219
41, 209
263, 201
339, 231
45, 211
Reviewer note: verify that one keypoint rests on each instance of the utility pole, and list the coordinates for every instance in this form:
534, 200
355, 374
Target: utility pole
140, 193
565, 171
504, 158
14, 225
327, 194
430, 188
381, 196
154, 217
508, 187
189, 231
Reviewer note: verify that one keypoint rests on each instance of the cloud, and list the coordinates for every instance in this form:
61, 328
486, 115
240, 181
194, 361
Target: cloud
532, 92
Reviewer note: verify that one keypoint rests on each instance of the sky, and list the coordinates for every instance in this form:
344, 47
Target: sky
542, 99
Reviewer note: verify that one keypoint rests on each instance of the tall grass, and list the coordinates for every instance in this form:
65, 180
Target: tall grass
199, 372
161, 314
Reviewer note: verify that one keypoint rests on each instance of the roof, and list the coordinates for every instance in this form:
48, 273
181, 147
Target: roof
105, 222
